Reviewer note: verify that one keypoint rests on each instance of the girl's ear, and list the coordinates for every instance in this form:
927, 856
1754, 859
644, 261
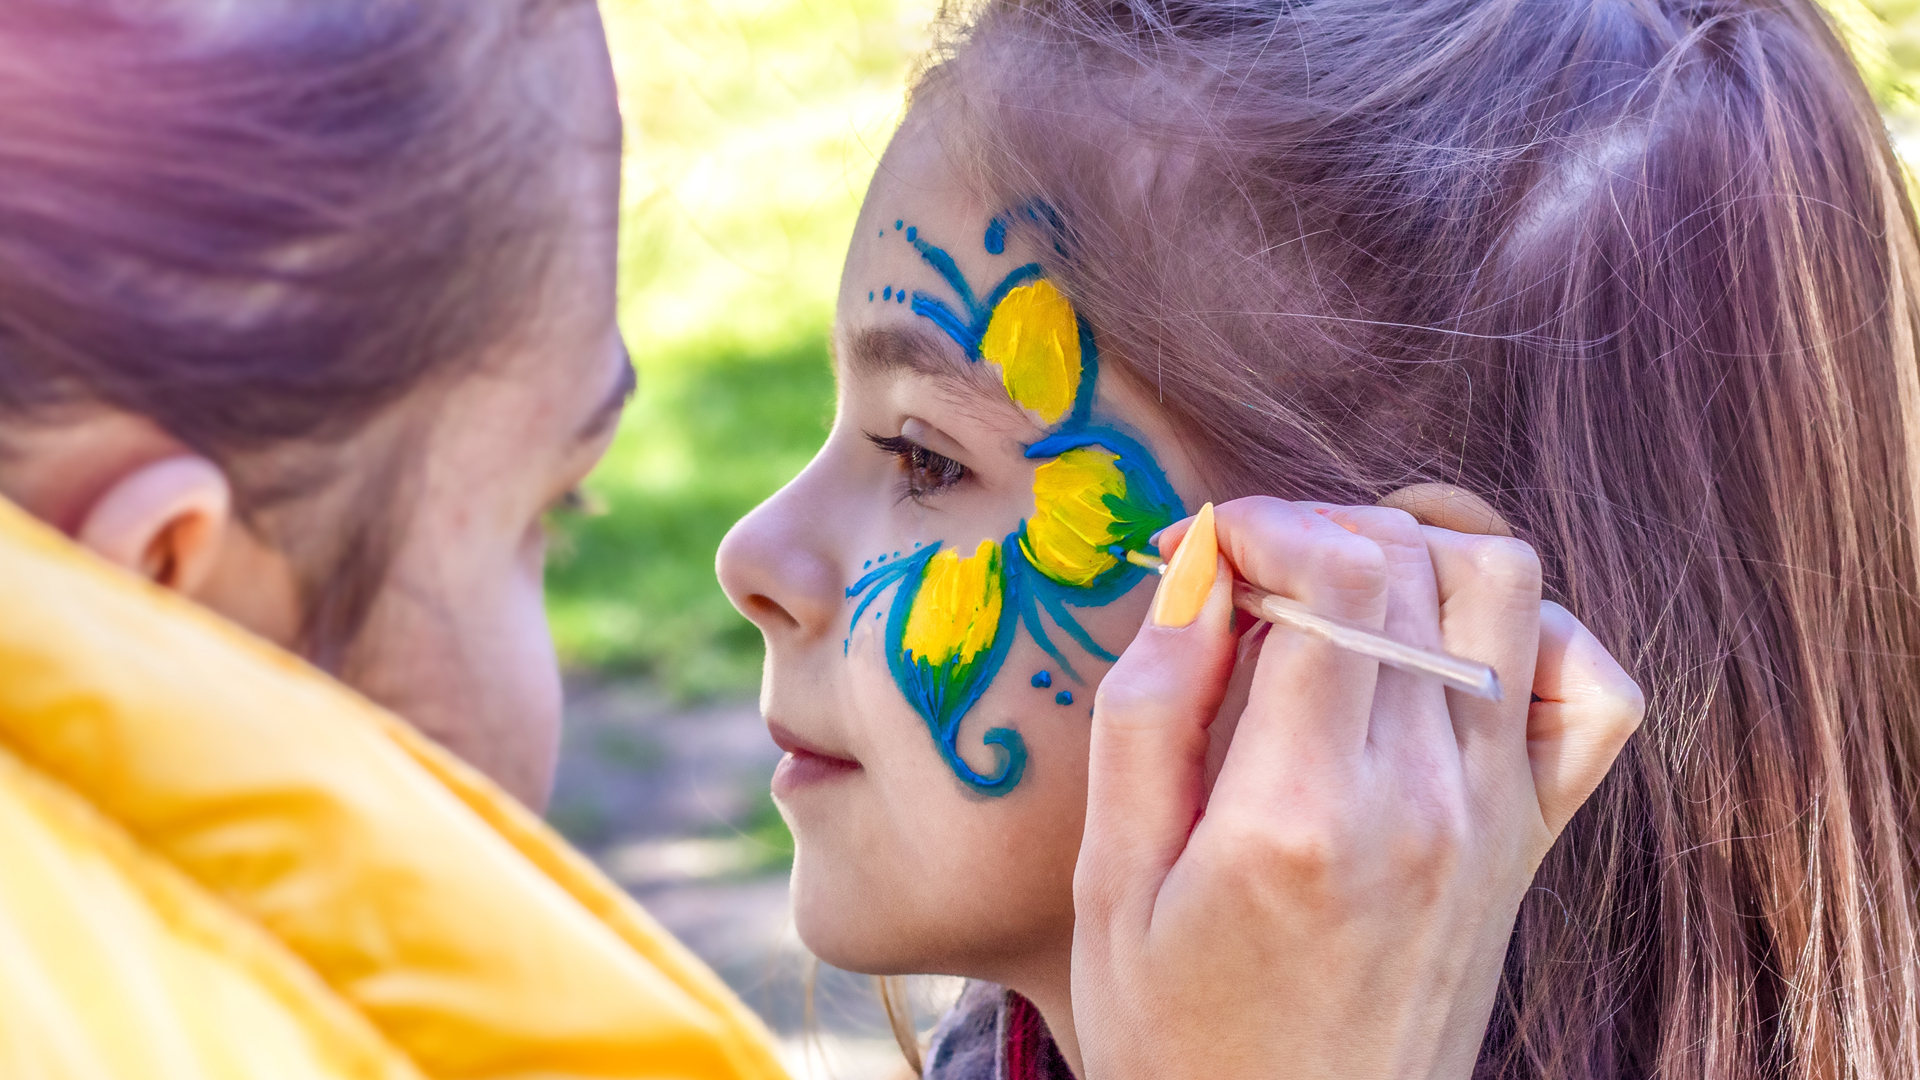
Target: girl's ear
164, 521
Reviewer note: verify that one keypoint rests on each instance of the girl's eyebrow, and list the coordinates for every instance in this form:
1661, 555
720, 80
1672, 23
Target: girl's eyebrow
885, 350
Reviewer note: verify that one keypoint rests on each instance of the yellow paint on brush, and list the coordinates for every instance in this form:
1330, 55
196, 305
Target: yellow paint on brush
1034, 339
1072, 527
957, 609
1190, 574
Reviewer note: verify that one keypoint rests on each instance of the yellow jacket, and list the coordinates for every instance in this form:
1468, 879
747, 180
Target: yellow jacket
215, 862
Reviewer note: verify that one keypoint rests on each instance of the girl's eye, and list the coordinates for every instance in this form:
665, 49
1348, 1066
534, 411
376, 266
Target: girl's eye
927, 473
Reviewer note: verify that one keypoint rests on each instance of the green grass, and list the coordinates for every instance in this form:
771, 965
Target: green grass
636, 592
753, 127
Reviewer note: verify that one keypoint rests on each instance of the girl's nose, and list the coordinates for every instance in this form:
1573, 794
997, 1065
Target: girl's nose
778, 567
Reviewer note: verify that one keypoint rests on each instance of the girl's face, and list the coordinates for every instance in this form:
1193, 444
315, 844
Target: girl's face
939, 589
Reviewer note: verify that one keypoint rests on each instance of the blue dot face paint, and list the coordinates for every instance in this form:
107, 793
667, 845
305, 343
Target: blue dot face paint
1098, 493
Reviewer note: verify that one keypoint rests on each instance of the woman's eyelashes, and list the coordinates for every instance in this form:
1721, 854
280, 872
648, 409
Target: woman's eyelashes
927, 473
572, 505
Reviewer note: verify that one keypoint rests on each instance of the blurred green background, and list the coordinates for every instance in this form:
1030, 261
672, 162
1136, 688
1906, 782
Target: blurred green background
753, 127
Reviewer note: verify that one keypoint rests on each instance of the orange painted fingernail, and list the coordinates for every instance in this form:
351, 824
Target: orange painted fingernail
1328, 514
1190, 573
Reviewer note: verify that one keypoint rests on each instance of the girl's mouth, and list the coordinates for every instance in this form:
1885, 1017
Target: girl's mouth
805, 765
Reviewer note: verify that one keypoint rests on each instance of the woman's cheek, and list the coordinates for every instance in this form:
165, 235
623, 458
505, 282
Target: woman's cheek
538, 666
508, 659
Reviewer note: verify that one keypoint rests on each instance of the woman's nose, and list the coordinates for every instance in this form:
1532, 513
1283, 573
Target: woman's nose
778, 568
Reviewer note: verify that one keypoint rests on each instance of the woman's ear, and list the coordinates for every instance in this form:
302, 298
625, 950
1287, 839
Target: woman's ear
164, 521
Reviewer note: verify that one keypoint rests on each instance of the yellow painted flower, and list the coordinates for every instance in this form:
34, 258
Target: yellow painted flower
1034, 339
957, 609
1074, 522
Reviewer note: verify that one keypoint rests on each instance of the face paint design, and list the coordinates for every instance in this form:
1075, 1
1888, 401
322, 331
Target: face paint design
1033, 337
1096, 491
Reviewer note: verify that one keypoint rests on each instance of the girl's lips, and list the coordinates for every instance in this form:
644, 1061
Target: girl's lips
804, 765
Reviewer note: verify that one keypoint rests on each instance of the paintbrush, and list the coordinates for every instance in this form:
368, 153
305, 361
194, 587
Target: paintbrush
1461, 674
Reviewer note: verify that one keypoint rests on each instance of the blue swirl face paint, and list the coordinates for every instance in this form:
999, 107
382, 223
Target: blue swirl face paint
1096, 491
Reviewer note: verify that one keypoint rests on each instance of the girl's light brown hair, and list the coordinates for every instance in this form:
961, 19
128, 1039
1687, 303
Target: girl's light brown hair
1641, 272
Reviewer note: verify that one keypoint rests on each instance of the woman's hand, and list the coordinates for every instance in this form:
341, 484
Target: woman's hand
1339, 904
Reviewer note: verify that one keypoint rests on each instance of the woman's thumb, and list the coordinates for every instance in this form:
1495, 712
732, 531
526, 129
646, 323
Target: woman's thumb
1585, 707
1145, 783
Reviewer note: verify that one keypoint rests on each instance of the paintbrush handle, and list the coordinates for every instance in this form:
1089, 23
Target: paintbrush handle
1461, 674
1466, 675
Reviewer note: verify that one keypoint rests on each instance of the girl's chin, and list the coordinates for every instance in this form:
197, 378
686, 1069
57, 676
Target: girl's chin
848, 911
829, 926
837, 942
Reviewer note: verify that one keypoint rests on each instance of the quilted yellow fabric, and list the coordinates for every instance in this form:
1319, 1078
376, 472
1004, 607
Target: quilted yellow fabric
220, 863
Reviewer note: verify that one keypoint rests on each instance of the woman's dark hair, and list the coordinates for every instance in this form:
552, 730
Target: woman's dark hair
262, 224
1642, 273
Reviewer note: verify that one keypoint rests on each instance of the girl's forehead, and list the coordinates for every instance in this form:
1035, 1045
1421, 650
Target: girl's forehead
919, 212
909, 252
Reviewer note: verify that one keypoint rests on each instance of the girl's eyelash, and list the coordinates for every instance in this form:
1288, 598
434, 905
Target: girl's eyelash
928, 473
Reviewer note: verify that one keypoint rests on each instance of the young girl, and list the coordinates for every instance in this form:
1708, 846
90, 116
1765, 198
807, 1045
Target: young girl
306, 315
1634, 280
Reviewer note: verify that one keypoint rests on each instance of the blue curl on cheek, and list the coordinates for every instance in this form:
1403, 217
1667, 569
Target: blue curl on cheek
943, 694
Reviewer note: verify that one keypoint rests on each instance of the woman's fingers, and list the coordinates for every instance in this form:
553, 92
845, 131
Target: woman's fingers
1369, 837
1310, 702
1145, 783
1296, 551
1414, 705
1312, 709
1489, 611
1413, 595
1587, 707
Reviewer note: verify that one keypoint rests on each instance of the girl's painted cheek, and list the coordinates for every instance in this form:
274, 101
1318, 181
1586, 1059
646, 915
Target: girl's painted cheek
957, 609
1098, 493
